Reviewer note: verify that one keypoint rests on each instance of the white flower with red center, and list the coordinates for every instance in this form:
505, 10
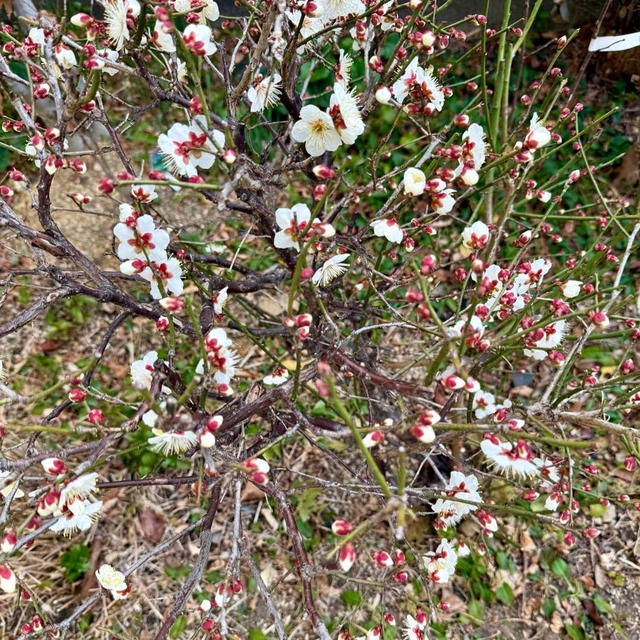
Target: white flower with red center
8, 581
294, 226
310, 25
343, 109
277, 377
330, 270
209, 11
161, 36
388, 228
459, 487
488, 521
35, 38
441, 565
316, 129
83, 486
473, 155
166, 273
221, 358
414, 628
188, 148
473, 327
548, 471
509, 459
119, 16
65, 57
172, 442
79, 516
432, 91
138, 236
112, 580
475, 237
551, 338
538, 135
342, 71
411, 78
142, 370
8, 541
264, 93
340, 8
414, 181
553, 501
484, 404
197, 38
144, 192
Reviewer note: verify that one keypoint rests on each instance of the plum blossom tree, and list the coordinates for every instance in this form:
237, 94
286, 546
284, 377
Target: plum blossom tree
384, 249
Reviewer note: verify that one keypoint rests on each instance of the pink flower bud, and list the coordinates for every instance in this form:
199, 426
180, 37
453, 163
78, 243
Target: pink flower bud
426, 435
79, 166
341, 527
382, 559
229, 156
54, 466
347, 557
452, 382
106, 185
95, 416
373, 438
8, 541
428, 264
323, 172
77, 395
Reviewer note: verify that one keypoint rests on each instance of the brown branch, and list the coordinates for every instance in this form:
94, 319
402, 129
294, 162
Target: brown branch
206, 539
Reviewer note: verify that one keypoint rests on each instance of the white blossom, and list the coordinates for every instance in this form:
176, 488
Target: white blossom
459, 487
83, 486
316, 129
142, 370
330, 269
116, 13
188, 148
170, 442
414, 181
80, 515
265, 93
345, 114
389, 229
112, 580
441, 565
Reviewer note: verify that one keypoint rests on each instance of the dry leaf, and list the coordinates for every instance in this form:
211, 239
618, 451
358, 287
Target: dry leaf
526, 542
152, 525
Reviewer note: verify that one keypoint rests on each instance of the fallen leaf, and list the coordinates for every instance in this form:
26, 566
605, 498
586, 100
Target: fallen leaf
152, 525
592, 612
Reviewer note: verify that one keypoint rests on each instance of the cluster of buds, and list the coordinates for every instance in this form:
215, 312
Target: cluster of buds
207, 438
396, 559
301, 322
423, 431
257, 469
